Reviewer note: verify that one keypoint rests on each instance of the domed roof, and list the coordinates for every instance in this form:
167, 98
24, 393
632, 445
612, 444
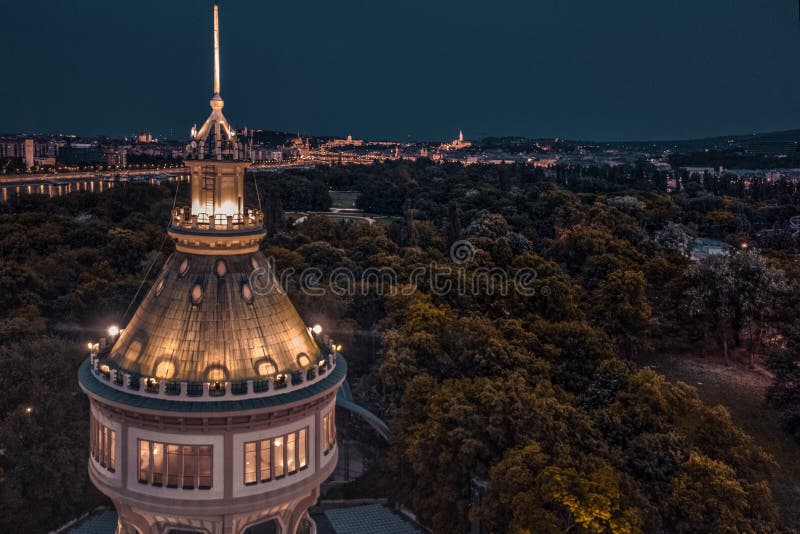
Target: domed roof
204, 321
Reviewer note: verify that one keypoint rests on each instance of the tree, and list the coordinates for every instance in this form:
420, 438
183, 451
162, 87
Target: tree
620, 307
760, 294
707, 497
675, 237
784, 393
530, 492
711, 297
453, 224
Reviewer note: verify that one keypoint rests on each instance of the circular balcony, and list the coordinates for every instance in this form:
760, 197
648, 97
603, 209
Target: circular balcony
183, 218
219, 390
200, 233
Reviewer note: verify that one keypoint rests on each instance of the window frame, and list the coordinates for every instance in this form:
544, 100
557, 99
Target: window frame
168, 478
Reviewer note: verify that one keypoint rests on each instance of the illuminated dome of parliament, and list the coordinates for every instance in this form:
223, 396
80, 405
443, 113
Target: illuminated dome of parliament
203, 321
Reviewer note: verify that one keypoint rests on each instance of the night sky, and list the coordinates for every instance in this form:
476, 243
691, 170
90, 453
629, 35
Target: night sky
591, 69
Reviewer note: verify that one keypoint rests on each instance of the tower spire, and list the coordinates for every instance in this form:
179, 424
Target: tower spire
216, 49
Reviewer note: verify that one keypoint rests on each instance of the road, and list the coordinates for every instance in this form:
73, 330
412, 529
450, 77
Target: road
16, 179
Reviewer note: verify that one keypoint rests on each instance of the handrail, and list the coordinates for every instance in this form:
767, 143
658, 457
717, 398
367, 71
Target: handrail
184, 218
137, 384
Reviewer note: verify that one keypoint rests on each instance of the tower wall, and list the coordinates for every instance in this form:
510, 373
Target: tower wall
230, 505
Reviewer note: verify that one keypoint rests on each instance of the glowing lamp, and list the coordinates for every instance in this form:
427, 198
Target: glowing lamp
113, 330
317, 329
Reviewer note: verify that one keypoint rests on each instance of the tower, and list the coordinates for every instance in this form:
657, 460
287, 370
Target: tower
213, 410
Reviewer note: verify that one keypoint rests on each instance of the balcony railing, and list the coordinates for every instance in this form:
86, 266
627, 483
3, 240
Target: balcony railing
219, 390
185, 219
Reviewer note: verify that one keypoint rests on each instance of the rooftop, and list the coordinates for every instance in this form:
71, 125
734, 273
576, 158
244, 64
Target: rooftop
214, 319
366, 519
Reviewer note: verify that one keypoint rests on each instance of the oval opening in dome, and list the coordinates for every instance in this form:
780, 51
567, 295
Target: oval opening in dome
134, 350
197, 294
165, 369
184, 268
247, 293
216, 374
266, 368
254, 262
220, 268
303, 360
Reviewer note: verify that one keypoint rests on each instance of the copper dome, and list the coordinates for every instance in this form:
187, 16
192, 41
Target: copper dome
204, 321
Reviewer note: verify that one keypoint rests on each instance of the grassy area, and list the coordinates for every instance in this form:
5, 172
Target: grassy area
741, 390
344, 199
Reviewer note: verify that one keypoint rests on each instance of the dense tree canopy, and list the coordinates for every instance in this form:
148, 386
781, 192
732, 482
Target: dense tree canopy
532, 387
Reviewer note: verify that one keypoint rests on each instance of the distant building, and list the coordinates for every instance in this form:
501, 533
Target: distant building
336, 143
456, 144
266, 154
29, 151
76, 152
115, 156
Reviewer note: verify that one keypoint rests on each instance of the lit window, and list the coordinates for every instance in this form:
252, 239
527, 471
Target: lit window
112, 450
275, 457
302, 448
291, 450
144, 461
173, 466
264, 457
250, 463
205, 460
157, 464
189, 466
102, 444
278, 448
329, 431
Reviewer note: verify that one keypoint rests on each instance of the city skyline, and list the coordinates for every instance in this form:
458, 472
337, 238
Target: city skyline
620, 72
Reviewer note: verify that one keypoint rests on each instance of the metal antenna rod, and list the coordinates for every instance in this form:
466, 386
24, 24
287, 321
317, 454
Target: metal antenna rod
216, 49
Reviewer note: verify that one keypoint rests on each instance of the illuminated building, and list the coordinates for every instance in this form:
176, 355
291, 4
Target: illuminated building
212, 411
456, 144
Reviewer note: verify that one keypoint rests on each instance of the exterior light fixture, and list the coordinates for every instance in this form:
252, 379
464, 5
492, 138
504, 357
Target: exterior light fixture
317, 329
113, 330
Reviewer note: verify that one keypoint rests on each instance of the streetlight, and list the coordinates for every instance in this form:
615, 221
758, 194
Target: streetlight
317, 329
113, 330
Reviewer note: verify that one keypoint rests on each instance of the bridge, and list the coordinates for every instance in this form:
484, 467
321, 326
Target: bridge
344, 399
